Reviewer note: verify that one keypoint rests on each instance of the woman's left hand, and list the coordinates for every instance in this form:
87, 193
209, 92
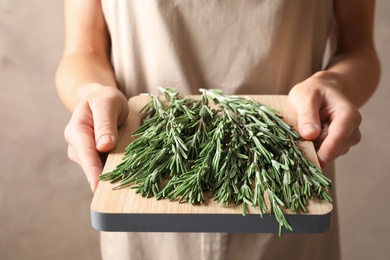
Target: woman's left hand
325, 116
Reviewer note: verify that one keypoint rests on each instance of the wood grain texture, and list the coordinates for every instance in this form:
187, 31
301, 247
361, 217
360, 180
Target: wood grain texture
108, 204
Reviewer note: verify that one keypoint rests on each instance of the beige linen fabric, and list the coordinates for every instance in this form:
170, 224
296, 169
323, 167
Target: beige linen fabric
240, 46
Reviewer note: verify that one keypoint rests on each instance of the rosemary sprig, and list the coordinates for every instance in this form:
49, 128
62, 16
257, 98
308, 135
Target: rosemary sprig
240, 151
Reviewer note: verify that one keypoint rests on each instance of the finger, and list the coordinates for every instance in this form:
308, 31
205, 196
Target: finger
340, 137
73, 157
81, 149
105, 118
88, 158
88, 162
324, 132
92, 166
307, 107
71, 154
353, 140
105, 130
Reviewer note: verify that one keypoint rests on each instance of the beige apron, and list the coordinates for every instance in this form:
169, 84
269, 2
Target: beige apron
240, 46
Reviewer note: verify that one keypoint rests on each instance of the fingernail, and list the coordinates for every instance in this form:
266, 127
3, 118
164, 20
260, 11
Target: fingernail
308, 129
105, 139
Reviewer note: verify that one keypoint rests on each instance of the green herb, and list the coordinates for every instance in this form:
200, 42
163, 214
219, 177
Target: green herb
238, 150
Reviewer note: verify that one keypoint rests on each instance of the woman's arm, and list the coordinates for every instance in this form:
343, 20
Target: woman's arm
355, 63
85, 65
86, 85
327, 103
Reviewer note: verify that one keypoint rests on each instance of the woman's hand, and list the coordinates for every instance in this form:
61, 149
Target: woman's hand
92, 129
325, 116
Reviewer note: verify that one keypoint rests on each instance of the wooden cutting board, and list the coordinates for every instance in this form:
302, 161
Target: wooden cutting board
124, 210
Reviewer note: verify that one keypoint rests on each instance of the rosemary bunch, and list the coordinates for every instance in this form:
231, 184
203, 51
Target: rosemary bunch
238, 150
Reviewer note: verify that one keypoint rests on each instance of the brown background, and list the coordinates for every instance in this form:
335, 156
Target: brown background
45, 199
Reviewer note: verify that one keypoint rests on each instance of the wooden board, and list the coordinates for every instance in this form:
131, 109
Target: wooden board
124, 210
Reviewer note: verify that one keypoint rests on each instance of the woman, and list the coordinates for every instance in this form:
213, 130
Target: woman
117, 49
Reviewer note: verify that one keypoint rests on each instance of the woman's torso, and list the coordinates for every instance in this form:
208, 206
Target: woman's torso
239, 46
245, 47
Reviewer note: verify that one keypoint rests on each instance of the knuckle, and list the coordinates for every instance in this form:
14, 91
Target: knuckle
358, 118
353, 113
68, 133
345, 151
356, 137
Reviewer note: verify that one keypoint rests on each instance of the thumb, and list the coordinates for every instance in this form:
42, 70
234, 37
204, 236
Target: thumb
309, 130
309, 125
105, 127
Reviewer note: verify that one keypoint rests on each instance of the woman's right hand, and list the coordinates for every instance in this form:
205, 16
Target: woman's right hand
92, 129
